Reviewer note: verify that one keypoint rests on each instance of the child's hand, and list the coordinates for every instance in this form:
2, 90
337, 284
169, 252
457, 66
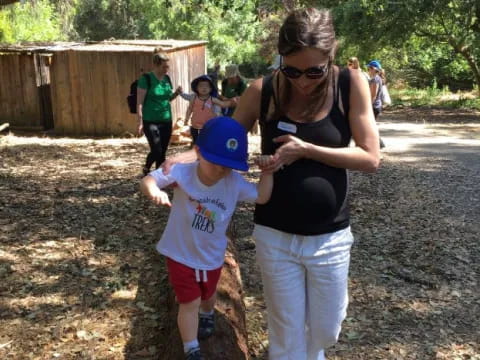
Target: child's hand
265, 163
159, 197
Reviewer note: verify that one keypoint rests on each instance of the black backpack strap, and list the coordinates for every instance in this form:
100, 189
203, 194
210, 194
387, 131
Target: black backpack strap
267, 92
149, 80
344, 89
169, 80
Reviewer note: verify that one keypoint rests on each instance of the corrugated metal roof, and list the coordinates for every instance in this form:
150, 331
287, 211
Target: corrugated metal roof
108, 45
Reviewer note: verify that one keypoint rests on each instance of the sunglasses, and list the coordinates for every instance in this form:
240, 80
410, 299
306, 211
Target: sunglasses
315, 72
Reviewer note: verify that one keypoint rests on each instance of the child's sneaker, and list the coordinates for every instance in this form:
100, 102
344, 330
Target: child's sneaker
206, 325
194, 354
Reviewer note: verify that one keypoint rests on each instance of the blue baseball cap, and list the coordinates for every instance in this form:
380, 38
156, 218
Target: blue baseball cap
375, 64
223, 141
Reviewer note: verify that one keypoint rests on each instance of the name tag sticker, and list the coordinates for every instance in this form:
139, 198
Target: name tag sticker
291, 128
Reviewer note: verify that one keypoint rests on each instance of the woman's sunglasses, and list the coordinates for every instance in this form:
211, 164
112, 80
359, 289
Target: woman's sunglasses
315, 72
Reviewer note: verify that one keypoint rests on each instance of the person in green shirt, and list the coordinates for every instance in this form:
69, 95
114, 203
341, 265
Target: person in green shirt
232, 87
153, 108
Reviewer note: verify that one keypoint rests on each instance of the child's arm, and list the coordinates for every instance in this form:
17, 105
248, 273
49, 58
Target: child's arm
223, 104
265, 185
188, 114
187, 97
149, 188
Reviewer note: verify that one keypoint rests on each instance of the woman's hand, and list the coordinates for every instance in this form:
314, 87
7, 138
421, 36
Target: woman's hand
292, 149
140, 128
179, 90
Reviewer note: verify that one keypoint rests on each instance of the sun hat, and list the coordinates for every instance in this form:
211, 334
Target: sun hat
231, 71
223, 141
375, 64
194, 84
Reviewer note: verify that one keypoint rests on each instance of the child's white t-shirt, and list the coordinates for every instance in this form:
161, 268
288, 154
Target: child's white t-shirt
195, 232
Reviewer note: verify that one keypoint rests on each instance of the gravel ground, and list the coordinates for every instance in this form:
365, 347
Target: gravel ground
79, 277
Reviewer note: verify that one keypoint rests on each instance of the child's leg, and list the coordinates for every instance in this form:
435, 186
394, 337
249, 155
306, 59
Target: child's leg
206, 326
187, 320
206, 306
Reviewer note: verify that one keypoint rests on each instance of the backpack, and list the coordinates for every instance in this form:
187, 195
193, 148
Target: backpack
132, 96
386, 100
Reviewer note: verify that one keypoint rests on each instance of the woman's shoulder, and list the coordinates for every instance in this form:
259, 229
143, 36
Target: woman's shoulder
256, 84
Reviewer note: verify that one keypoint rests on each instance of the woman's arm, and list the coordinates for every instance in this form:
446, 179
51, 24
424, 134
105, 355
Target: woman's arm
181, 158
248, 107
140, 99
177, 92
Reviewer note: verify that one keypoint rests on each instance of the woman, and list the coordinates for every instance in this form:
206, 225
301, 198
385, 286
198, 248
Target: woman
376, 90
153, 108
308, 113
303, 235
353, 63
233, 86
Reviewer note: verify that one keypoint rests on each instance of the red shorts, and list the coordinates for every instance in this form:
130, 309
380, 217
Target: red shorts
189, 283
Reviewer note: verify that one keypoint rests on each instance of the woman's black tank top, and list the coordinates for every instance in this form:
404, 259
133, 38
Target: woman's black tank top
309, 197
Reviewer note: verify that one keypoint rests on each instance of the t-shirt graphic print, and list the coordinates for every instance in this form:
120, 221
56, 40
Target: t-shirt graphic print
200, 214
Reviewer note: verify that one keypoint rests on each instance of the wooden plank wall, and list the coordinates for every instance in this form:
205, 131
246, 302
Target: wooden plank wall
19, 94
89, 88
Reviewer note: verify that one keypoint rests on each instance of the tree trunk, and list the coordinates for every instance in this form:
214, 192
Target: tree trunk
466, 53
230, 338
473, 65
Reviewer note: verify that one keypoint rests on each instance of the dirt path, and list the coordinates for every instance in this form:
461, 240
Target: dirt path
79, 277
416, 260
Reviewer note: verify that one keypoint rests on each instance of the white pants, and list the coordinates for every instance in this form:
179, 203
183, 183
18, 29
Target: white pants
305, 281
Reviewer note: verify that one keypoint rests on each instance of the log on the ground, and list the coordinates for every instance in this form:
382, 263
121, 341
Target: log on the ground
230, 338
4, 126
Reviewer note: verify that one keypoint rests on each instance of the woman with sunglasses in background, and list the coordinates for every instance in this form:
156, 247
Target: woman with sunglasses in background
308, 113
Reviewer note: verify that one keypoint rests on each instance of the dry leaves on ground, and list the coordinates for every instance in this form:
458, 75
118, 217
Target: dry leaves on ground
80, 278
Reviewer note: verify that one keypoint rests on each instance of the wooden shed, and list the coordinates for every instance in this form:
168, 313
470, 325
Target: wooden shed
90, 82
25, 100
81, 88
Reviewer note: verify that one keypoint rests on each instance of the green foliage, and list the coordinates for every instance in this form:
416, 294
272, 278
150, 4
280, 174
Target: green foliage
434, 97
104, 19
419, 42
231, 27
440, 38
16, 22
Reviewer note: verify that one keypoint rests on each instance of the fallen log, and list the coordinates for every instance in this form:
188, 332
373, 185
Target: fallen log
230, 338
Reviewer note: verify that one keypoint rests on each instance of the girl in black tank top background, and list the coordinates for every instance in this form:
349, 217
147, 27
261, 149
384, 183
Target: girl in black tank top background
302, 235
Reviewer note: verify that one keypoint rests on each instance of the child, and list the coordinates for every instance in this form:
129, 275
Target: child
204, 104
194, 239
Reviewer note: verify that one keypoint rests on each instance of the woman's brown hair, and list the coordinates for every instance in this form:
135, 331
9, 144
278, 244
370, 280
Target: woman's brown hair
354, 62
159, 56
307, 28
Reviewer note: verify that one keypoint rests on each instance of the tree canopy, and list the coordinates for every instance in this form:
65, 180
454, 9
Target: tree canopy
421, 42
